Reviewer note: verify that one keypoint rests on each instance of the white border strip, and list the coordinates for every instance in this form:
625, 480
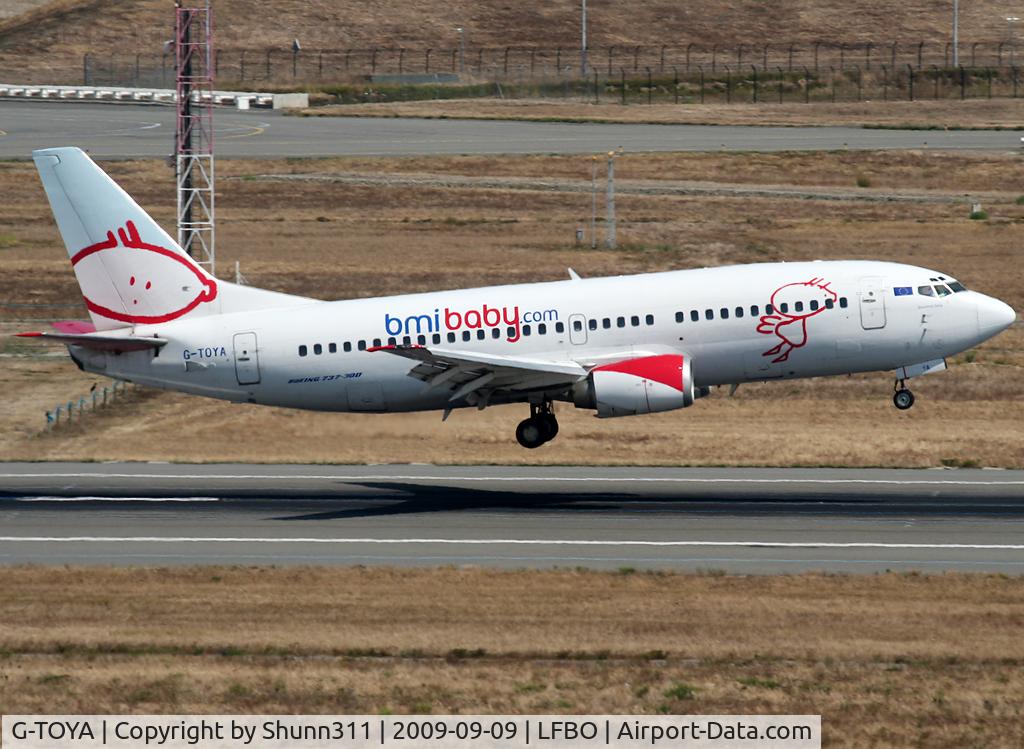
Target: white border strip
502, 542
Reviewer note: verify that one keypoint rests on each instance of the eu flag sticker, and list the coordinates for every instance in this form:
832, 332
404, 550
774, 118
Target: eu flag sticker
903, 290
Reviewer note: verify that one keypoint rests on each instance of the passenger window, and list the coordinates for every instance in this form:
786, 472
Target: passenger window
542, 329
842, 302
680, 317
362, 346
559, 327
799, 306
526, 330
709, 314
830, 303
592, 323
436, 338
406, 341
303, 351
694, 315
769, 309
784, 307
495, 332
814, 305
942, 290
480, 334
724, 312
421, 340
649, 319
451, 338
577, 325
739, 312
332, 348
376, 342
348, 346
753, 310
466, 335
318, 349
634, 320
620, 322
957, 286
511, 332
606, 323
392, 341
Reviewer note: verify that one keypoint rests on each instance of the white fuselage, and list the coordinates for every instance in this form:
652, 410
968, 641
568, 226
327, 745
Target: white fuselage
826, 318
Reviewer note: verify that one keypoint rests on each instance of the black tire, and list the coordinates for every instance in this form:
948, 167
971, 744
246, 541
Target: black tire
530, 433
903, 399
550, 425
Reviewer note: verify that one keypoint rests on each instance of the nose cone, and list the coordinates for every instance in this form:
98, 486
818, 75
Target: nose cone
994, 316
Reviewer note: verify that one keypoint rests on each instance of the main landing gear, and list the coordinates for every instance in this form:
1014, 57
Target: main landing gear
541, 427
902, 398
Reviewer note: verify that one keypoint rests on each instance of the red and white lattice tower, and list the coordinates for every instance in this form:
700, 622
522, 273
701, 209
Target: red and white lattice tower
193, 137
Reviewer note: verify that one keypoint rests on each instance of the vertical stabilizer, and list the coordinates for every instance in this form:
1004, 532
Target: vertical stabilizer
129, 269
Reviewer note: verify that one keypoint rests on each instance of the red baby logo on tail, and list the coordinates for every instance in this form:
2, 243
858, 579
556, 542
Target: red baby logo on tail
791, 327
126, 279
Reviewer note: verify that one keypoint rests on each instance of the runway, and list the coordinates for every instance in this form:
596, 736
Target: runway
146, 131
739, 520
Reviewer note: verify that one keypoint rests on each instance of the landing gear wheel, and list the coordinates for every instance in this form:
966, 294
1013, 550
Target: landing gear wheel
550, 426
903, 399
531, 433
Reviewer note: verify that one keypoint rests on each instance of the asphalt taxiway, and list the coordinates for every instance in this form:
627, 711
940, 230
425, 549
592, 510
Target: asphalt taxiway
741, 520
146, 131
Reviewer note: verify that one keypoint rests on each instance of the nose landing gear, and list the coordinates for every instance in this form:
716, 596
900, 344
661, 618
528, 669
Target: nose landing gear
902, 398
541, 427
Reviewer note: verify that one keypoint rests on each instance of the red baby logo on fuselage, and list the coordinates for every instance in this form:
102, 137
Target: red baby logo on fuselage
791, 326
151, 283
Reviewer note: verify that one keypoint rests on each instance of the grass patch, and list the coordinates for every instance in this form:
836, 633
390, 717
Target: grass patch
752, 681
680, 691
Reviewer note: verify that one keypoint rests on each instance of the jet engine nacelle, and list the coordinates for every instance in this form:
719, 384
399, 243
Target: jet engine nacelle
639, 386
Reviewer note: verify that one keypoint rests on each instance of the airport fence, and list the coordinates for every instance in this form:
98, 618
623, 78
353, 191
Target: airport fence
75, 410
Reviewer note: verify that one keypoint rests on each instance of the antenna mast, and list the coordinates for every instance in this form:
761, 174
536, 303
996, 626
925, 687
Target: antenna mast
193, 137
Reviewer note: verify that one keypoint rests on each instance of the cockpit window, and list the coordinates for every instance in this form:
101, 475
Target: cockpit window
942, 290
926, 291
957, 286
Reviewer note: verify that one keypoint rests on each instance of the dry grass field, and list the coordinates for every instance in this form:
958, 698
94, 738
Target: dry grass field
71, 27
338, 228
888, 660
978, 113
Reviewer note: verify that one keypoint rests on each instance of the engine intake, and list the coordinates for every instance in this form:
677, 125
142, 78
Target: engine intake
644, 385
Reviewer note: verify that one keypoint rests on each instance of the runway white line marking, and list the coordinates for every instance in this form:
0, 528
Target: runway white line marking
505, 541
559, 479
111, 499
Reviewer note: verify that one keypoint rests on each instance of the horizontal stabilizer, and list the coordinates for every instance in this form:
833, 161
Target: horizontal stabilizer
96, 342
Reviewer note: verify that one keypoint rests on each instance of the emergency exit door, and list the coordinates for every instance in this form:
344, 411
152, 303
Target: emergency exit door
872, 304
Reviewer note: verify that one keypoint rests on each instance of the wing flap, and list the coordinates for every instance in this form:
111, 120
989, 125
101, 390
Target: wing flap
468, 372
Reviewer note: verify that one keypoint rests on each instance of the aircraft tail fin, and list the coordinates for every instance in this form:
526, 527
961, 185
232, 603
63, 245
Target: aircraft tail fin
129, 269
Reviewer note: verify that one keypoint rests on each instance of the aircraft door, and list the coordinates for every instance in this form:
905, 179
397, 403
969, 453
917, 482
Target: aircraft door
577, 329
872, 304
247, 362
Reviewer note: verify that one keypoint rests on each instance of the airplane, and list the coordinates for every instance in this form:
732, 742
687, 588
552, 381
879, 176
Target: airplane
619, 346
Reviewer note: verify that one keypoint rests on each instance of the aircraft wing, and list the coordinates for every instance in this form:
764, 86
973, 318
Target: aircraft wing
467, 372
100, 342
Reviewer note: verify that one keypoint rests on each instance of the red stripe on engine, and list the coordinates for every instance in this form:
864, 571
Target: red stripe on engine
666, 369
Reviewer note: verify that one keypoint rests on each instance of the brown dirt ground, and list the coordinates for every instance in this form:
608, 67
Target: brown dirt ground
888, 660
46, 43
336, 240
1006, 113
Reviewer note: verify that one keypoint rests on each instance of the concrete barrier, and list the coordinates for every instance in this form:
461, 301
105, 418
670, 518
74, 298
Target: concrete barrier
161, 95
